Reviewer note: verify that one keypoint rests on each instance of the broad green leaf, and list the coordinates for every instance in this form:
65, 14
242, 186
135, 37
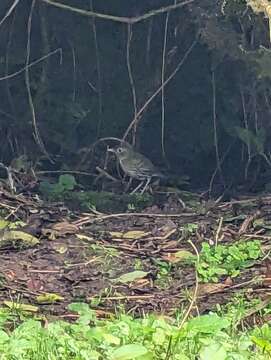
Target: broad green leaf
262, 343
131, 351
67, 181
207, 324
111, 339
213, 351
3, 337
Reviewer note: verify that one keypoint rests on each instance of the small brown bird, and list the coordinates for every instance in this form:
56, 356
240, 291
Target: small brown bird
136, 165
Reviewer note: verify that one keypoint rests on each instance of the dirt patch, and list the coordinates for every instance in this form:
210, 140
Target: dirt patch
83, 257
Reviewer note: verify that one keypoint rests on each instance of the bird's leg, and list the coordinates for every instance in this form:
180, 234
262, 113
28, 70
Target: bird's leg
128, 184
138, 187
146, 185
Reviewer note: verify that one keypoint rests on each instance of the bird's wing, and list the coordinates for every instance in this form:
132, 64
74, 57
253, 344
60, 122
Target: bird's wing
142, 166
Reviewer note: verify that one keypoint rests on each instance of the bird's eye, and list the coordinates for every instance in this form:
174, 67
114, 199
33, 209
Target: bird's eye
119, 150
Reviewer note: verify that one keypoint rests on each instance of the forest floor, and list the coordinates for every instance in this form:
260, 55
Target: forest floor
163, 259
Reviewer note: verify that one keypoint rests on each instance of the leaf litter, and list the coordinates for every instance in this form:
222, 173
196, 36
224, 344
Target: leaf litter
142, 261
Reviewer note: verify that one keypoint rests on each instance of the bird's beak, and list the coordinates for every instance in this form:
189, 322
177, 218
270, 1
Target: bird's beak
111, 150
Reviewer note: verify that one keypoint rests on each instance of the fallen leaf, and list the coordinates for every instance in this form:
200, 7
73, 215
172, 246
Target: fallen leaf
48, 298
49, 233
22, 307
64, 228
179, 256
116, 234
84, 237
14, 236
134, 234
61, 249
131, 276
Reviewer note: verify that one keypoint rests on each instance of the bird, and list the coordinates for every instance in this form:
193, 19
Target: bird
136, 166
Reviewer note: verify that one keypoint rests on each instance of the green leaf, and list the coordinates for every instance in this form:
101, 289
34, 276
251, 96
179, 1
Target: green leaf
255, 141
67, 181
184, 255
85, 312
3, 337
264, 344
131, 351
213, 351
207, 324
4, 224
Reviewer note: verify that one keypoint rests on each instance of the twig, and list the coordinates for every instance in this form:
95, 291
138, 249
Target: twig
29, 65
131, 79
163, 88
36, 271
105, 173
216, 169
96, 258
149, 36
120, 19
13, 212
89, 220
74, 72
247, 222
218, 162
64, 172
9, 95
10, 177
27, 82
195, 290
10, 10
218, 231
247, 129
128, 297
99, 76
153, 96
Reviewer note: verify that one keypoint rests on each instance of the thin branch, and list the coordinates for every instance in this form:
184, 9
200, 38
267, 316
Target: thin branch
99, 75
74, 72
153, 96
29, 65
10, 10
149, 37
216, 169
9, 95
27, 82
132, 83
247, 129
218, 162
163, 88
120, 19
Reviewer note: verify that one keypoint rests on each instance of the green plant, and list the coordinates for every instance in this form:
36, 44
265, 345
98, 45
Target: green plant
219, 260
262, 338
57, 191
164, 276
124, 337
